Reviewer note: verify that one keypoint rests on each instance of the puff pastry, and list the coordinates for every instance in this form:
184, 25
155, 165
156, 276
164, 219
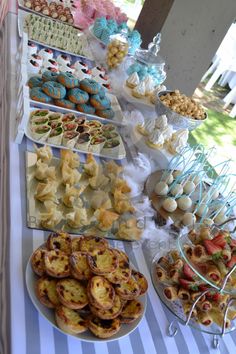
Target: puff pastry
128, 230
71, 158
44, 153
70, 320
105, 218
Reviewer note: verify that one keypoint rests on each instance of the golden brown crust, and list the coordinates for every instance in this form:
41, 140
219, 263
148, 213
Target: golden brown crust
57, 264
46, 292
129, 290
70, 320
103, 262
104, 328
79, 266
59, 241
121, 274
75, 244
108, 314
37, 261
72, 293
101, 294
141, 280
92, 244
122, 256
131, 311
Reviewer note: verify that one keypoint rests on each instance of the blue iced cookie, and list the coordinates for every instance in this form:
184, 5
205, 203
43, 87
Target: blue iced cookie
90, 86
68, 80
106, 113
78, 96
100, 103
37, 94
49, 76
54, 89
86, 108
64, 103
35, 81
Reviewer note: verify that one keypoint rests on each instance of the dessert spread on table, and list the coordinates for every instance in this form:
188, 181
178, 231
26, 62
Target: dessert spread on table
87, 284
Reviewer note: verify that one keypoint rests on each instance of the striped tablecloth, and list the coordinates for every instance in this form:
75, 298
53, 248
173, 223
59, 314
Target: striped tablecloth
30, 332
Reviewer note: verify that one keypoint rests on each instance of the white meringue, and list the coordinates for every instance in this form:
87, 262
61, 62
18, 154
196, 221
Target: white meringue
149, 85
178, 140
139, 91
156, 138
133, 80
161, 122
149, 126
167, 132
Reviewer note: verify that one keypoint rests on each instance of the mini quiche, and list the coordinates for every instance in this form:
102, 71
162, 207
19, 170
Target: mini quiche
57, 264
131, 311
92, 244
79, 266
141, 280
72, 293
103, 262
59, 241
108, 314
129, 290
104, 328
101, 294
70, 320
37, 261
46, 292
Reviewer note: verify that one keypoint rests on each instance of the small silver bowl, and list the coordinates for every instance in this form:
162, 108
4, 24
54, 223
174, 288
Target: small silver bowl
177, 120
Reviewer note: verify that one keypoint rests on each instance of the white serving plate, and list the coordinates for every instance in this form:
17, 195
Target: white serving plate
118, 118
126, 329
112, 154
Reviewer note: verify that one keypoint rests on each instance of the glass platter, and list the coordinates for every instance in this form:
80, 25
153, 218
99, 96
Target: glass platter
175, 307
223, 286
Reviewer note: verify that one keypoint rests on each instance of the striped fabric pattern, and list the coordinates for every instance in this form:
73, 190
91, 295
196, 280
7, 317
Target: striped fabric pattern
30, 332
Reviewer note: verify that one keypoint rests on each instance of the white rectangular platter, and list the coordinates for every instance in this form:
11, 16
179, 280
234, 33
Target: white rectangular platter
111, 153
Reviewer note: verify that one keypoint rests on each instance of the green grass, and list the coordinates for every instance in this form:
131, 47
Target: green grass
218, 130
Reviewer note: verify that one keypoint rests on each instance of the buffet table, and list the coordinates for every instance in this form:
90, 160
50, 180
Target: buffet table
30, 332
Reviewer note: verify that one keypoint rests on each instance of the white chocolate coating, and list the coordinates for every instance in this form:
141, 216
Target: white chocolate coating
189, 187
201, 210
184, 203
161, 188
169, 205
177, 190
189, 219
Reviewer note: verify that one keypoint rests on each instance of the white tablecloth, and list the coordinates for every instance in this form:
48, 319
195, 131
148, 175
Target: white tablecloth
30, 333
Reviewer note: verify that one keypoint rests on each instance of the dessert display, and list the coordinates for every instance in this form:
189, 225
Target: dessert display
88, 11
183, 105
158, 134
41, 59
81, 279
90, 197
65, 90
117, 49
104, 29
57, 11
191, 192
189, 296
75, 132
57, 34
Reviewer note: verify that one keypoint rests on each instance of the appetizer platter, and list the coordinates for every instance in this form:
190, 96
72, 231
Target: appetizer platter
81, 295
75, 132
91, 197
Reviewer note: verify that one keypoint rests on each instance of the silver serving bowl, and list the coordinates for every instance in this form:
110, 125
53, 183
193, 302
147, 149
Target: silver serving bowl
177, 120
